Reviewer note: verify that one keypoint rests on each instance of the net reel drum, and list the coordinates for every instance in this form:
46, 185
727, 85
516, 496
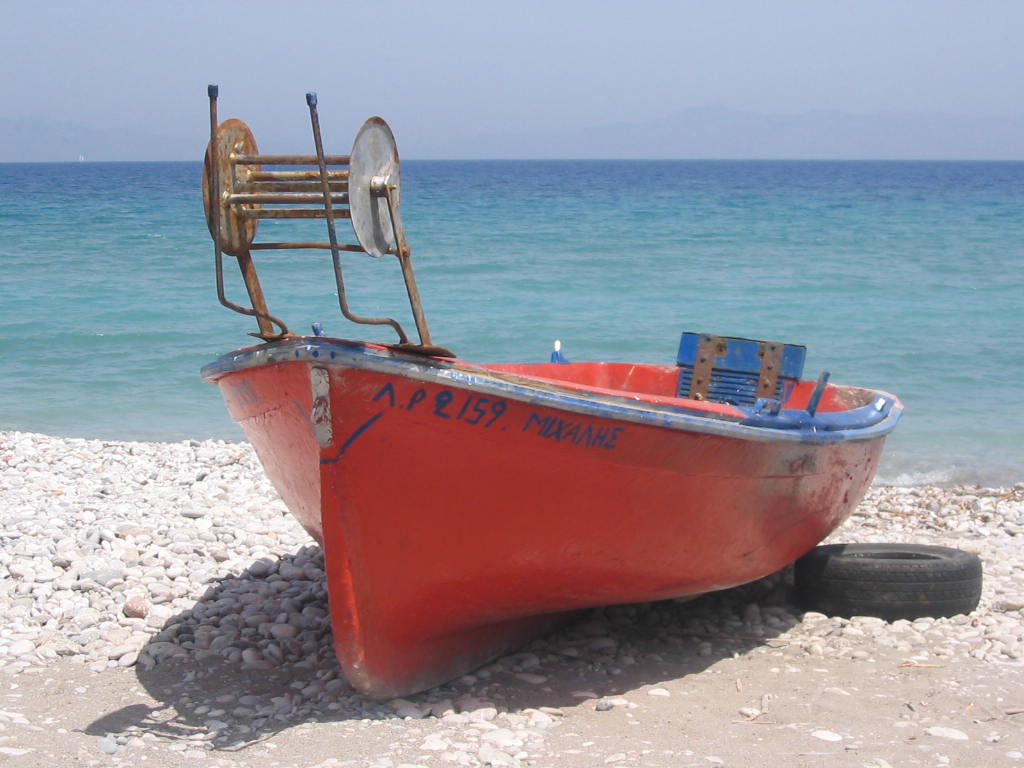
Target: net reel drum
363, 187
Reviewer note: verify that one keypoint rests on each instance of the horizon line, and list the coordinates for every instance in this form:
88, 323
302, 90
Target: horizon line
594, 160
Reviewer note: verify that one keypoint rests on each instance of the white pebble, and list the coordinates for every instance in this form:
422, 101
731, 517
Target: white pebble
946, 733
434, 743
826, 735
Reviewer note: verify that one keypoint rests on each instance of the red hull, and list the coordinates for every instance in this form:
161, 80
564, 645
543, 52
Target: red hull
461, 516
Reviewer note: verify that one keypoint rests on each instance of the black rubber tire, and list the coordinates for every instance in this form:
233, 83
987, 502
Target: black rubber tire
891, 581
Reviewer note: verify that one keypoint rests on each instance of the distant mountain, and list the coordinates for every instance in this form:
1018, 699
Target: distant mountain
697, 132
720, 132
28, 140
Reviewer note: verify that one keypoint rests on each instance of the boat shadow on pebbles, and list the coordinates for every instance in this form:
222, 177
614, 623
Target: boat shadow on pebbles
255, 656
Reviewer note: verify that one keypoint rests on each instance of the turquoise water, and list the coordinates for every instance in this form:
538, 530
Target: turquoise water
907, 277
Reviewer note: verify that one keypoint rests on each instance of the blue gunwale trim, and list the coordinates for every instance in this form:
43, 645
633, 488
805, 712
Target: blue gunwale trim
868, 422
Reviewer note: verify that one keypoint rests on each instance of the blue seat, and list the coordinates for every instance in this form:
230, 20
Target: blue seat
727, 369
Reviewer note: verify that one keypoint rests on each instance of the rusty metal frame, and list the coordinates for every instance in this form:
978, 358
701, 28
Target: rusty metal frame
259, 310
328, 202
318, 193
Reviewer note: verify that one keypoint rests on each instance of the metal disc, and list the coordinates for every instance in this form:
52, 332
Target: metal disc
236, 231
374, 156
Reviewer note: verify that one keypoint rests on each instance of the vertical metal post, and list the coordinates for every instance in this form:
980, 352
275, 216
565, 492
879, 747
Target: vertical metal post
255, 291
264, 319
405, 259
332, 234
213, 156
819, 390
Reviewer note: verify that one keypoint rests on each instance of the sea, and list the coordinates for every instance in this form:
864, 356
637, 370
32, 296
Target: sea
902, 276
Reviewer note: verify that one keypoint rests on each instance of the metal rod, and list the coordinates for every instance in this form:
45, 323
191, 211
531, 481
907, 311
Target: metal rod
298, 246
213, 157
240, 159
275, 187
265, 320
291, 213
819, 390
256, 297
297, 176
321, 161
285, 198
214, 176
405, 259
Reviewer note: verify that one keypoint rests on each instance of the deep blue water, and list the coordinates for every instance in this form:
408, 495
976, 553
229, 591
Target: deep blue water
907, 277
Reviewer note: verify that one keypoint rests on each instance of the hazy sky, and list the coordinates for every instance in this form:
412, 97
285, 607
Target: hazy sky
447, 68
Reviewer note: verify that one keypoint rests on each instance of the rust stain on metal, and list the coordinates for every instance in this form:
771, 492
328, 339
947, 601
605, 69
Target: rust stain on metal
770, 353
240, 187
236, 231
708, 348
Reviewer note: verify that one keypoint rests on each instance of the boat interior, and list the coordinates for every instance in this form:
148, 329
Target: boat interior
753, 382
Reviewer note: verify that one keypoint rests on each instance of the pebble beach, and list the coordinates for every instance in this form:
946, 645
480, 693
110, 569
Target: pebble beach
160, 604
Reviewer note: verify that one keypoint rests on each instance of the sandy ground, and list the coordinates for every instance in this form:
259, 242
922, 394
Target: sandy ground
752, 702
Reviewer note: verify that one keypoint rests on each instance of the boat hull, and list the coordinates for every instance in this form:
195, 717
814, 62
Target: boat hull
461, 514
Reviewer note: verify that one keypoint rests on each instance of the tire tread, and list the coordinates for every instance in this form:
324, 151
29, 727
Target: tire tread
891, 581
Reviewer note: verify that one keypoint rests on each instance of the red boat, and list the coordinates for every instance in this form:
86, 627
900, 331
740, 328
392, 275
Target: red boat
464, 508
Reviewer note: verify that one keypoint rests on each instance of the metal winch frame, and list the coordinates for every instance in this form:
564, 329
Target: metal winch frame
363, 187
